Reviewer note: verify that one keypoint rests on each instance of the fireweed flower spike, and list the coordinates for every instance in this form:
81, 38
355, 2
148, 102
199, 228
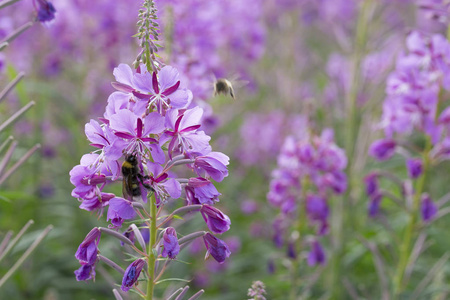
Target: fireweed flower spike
414, 108
310, 171
148, 121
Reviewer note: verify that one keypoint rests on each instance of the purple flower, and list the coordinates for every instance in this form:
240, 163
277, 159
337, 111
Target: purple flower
217, 221
120, 210
428, 208
279, 228
132, 274
200, 190
291, 251
94, 201
216, 247
136, 132
316, 254
103, 138
88, 249
371, 182
170, 242
214, 164
163, 186
374, 205
414, 167
85, 272
318, 211
45, 11
382, 149
336, 180
249, 207
183, 135
162, 90
124, 76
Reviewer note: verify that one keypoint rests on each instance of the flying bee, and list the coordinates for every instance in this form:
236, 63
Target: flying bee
132, 178
226, 86
223, 86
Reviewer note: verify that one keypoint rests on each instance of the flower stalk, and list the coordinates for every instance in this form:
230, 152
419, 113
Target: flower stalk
151, 259
405, 247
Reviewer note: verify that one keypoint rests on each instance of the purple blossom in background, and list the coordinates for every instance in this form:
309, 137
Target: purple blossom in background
438, 10
412, 95
428, 208
316, 255
314, 163
170, 243
132, 274
262, 135
317, 211
414, 167
382, 149
374, 205
372, 185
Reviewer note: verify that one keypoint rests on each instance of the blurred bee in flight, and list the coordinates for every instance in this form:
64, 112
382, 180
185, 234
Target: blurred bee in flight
225, 87
132, 178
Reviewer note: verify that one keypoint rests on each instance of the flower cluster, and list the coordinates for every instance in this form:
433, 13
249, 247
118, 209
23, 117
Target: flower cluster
257, 291
145, 132
309, 171
413, 106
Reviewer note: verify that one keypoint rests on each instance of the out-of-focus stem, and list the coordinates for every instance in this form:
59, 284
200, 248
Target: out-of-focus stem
409, 231
17, 32
151, 253
301, 220
169, 33
19, 163
6, 3
3, 46
16, 115
7, 156
6, 142
16, 239
360, 41
25, 255
11, 85
352, 126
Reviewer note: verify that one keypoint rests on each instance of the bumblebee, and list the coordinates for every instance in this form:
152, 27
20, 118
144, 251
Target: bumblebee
132, 178
223, 86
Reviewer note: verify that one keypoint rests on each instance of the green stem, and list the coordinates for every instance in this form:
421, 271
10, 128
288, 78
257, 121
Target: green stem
299, 227
151, 253
405, 247
352, 125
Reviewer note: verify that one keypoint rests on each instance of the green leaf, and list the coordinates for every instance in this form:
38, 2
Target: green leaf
5, 199
172, 279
